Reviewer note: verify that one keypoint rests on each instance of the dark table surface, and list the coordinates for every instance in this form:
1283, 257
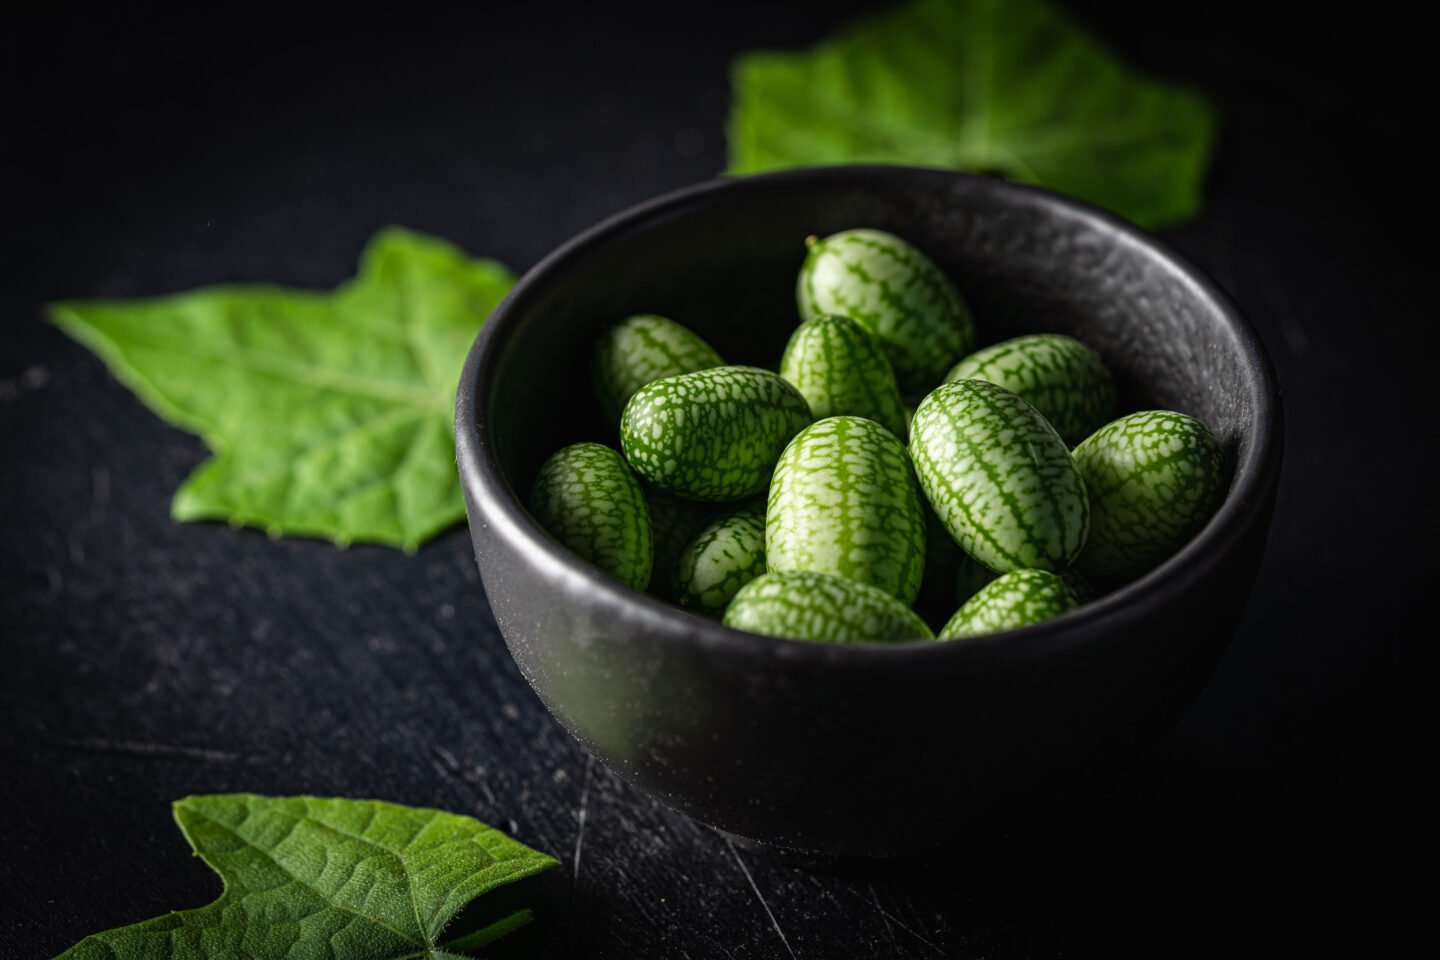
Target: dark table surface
144, 660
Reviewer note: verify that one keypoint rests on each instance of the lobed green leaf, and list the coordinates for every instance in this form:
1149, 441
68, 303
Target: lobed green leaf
329, 414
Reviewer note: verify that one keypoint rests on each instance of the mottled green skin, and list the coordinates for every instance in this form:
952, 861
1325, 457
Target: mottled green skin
999, 477
1014, 600
725, 555
673, 522
844, 502
971, 576
1057, 375
894, 291
586, 497
1154, 479
818, 607
841, 371
712, 435
642, 349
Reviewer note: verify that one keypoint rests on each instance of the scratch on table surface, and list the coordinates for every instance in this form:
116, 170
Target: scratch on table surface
885, 917
758, 895
140, 748
580, 821
472, 781
890, 918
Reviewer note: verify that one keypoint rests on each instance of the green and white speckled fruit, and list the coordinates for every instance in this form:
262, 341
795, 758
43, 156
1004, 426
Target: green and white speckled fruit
841, 371
971, 576
1014, 600
1057, 375
725, 555
586, 497
711, 435
999, 477
844, 502
1154, 479
815, 606
642, 349
673, 522
894, 291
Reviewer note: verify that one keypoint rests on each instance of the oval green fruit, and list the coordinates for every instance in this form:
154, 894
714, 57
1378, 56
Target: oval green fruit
586, 497
673, 522
642, 349
1154, 479
819, 607
1014, 600
840, 370
894, 291
711, 435
844, 501
725, 555
999, 477
1057, 375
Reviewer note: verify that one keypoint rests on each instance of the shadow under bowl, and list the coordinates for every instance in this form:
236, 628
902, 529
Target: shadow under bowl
861, 750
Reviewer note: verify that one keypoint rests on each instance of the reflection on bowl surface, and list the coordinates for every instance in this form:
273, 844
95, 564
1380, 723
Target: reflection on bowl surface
856, 750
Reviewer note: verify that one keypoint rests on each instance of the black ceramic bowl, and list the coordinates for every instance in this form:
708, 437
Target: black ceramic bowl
861, 750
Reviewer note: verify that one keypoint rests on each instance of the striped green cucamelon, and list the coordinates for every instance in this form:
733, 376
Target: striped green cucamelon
642, 349
999, 477
673, 522
1154, 479
711, 435
725, 555
1057, 375
841, 370
844, 501
819, 607
586, 497
894, 291
1016, 599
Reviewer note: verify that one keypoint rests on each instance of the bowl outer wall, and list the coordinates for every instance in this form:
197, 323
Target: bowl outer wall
878, 750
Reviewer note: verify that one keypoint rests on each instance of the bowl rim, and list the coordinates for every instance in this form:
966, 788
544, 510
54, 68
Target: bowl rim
1255, 473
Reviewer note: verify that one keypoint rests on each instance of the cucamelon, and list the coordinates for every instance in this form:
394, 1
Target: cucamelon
999, 477
1154, 479
713, 434
841, 370
894, 291
1016, 599
1057, 375
725, 555
673, 522
586, 497
844, 502
819, 607
642, 349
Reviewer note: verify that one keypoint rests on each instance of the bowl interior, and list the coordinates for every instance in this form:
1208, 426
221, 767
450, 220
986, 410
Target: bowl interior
724, 262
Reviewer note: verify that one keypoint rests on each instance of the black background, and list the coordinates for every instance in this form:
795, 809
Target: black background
144, 660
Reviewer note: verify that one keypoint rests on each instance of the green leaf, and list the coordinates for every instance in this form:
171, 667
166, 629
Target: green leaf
307, 877
329, 414
1009, 86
